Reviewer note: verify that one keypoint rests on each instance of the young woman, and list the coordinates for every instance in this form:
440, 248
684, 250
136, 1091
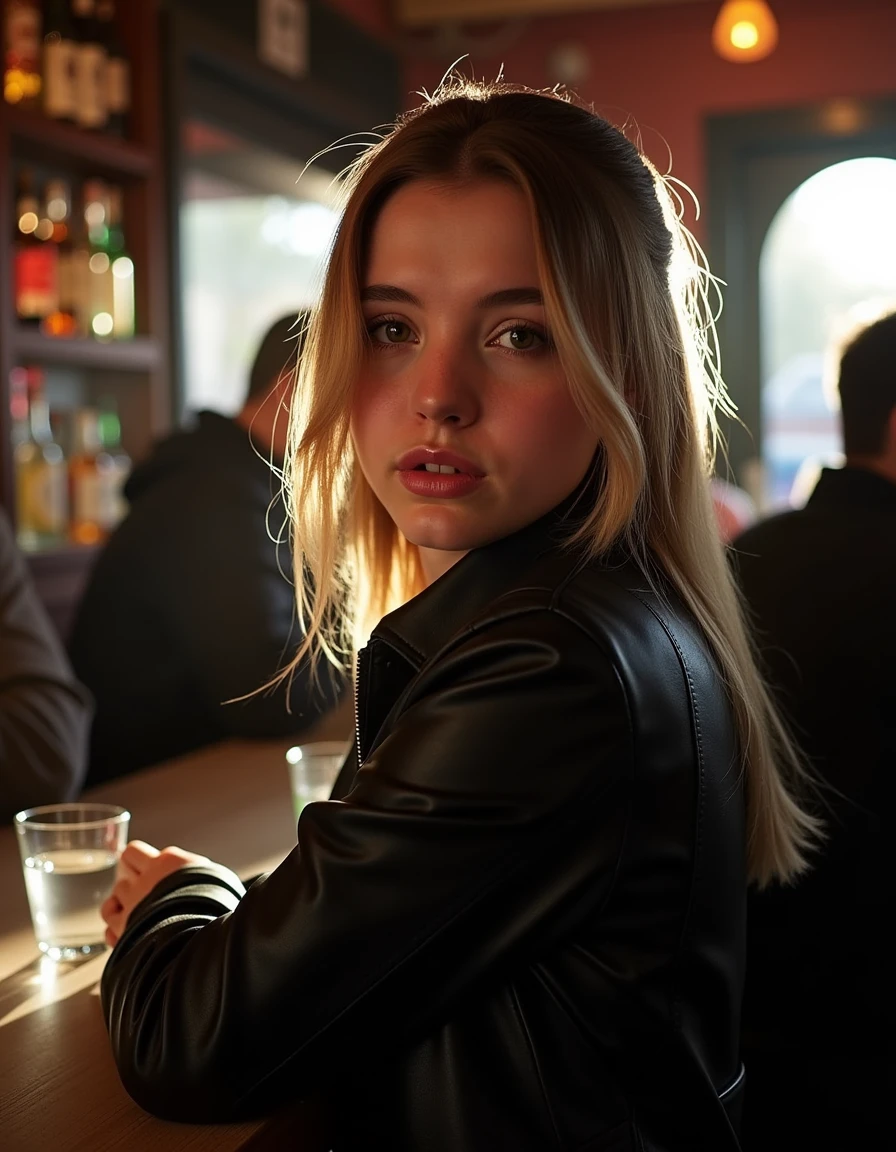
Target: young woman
522, 924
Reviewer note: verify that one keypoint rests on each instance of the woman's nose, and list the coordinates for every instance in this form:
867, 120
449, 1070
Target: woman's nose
446, 391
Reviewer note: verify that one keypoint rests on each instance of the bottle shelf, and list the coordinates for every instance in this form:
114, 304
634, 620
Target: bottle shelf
62, 555
40, 139
142, 353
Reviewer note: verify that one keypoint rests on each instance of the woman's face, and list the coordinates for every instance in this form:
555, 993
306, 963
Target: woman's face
462, 420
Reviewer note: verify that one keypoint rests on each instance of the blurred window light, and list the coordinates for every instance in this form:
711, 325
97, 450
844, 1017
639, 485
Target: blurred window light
247, 259
829, 255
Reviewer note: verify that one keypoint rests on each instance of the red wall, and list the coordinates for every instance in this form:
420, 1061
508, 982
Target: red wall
371, 15
656, 66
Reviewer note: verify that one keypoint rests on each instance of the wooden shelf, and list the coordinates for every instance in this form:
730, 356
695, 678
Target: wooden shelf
46, 141
142, 353
63, 556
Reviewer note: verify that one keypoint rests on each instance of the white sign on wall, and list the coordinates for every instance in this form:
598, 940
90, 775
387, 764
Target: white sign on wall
283, 35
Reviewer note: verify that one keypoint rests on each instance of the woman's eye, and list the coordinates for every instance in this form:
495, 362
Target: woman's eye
390, 332
521, 338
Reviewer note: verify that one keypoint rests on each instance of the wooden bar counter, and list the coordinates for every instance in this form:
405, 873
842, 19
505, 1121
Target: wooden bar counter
59, 1088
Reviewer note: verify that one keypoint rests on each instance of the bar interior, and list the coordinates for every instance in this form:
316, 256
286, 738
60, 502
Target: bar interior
171, 178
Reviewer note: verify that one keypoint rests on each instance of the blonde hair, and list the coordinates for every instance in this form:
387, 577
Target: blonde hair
625, 301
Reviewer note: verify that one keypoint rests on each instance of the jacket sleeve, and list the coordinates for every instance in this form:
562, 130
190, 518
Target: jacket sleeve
496, 805
44, 712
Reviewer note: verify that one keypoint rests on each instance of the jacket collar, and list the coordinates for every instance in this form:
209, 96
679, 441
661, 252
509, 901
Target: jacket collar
422, 627
856, 487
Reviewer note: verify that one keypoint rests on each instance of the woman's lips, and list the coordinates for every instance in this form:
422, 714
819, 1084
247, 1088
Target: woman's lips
432, 459
439, 485
438, 473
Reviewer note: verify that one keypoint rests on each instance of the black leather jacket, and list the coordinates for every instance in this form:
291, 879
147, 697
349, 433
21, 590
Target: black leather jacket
522, 928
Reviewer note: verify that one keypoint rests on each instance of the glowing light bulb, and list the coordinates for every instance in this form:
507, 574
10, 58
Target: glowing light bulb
744, 35
744, 31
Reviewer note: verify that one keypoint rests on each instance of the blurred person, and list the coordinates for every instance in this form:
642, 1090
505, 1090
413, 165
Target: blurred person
44, 711
821, 586
190, 604
519, 922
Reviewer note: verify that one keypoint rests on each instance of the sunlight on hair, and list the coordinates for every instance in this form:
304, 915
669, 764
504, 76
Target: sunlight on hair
697, 293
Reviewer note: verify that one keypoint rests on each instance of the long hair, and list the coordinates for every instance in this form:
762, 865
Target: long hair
625, 303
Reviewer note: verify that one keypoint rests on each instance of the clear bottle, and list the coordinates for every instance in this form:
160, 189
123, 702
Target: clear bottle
90, 67
91, 481
41, 487
123, 321
60, 97
22, 24
34, 260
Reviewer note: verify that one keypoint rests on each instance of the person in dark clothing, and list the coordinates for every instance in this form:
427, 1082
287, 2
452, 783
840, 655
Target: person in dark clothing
44, 712
821, 585
191, 604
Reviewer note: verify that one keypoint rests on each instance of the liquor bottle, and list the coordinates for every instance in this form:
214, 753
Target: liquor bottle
41, 489
34, 260
100, 302
63, 320
21, 53
60, 97
18, 406
110, 436
90, 67
78, 273
118, 69
122, 268
91, 481
44, 229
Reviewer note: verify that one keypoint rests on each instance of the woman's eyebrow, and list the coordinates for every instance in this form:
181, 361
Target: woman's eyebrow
511, 296
390, 293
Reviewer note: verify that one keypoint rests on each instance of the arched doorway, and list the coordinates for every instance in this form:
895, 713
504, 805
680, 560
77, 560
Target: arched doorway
757, 161
828, 261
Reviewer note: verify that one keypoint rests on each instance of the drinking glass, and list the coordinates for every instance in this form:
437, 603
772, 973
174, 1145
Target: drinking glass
313, 769
69, 857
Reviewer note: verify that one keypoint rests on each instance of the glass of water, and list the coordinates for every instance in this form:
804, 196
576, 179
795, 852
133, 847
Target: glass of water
313, 769
69, 856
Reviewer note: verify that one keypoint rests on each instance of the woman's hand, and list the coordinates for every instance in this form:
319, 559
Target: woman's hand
140, 868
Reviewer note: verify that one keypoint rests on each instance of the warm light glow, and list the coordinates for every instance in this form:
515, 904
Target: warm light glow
744, 34
95, 214
744, 31
102, 324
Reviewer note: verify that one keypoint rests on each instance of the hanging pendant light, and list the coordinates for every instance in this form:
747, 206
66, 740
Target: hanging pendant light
744, 31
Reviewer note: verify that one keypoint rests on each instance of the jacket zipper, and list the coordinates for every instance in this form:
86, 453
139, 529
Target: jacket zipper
358, 672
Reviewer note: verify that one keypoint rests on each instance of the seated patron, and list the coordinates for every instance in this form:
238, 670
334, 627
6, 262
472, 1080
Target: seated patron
44, 711
518, 925
191, 604
821, 585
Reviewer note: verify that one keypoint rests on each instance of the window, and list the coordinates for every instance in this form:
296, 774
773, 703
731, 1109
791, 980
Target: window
828, 260
255, 228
